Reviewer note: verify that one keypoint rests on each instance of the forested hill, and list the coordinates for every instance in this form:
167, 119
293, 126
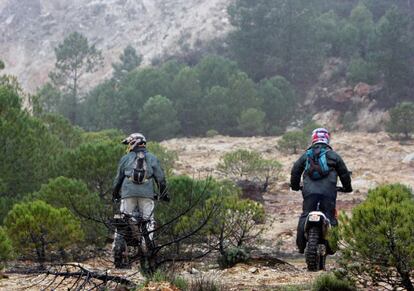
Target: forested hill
30, 29
172, 67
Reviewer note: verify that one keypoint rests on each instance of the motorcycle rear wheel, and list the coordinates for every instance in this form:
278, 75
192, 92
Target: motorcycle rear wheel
312, 255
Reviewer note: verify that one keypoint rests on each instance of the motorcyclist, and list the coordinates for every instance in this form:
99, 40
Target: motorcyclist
323, 189
138, 171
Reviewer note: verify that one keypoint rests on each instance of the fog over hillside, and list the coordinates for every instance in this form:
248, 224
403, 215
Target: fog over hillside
30, 29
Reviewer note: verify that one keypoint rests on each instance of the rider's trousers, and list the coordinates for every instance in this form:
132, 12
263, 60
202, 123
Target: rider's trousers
145, 207
327, 206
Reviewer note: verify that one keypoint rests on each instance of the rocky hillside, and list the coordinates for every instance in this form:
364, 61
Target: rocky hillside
341, 105
30, 29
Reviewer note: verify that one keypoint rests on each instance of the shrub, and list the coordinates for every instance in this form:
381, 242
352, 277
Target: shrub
234, 229
212, 133
233, 256
162, 276
75, 196
6, 249
38, 229
377, 240
231, 224
401, 120
189, 204
108, 135
94, 163
159, 118
243, 164
275, 130
166, 157
71, 136
251, 122
329, 282
360, 70
293, 141
203, 283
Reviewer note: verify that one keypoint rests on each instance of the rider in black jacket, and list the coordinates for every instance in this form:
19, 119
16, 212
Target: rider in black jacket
321, 190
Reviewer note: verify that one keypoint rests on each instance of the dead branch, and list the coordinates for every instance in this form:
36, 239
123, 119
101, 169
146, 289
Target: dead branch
82, 275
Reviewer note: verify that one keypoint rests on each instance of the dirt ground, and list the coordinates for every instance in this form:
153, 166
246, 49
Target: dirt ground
373, 158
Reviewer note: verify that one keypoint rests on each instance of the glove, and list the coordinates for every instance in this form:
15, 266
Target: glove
115, 196
347, 190
295, 187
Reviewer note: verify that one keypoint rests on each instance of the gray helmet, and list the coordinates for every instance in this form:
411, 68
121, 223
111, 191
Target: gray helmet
134, 140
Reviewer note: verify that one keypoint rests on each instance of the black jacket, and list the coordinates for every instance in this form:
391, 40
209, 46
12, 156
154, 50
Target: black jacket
327, 185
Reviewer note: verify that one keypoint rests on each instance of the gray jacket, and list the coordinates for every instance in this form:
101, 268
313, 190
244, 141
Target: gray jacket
128, 188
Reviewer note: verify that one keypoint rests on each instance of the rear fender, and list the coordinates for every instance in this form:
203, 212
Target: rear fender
317, 218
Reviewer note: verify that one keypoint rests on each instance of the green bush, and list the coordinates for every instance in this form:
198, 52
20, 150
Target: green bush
158, 118
329, 282
243, 164
251, 122
27, 147
38, 229
94, 163
234, 228
233, 256
203, 283
377, 240
85, 205
189, 205
71, 136
6, 248
232, 222
275, 130
360, 70
401, 120
279, 103
107, 135
6, 203
293, 141
166, 157
162, 276
212, 133
186, 192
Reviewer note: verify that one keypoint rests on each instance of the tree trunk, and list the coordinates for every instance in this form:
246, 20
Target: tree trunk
74, 97
408, 285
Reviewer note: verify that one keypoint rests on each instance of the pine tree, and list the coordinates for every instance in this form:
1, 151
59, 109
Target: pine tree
74, 58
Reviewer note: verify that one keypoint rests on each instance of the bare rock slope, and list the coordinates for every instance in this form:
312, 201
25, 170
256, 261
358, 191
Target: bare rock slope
30, 29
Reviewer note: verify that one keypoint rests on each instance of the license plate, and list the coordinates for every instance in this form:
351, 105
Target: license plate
314, 218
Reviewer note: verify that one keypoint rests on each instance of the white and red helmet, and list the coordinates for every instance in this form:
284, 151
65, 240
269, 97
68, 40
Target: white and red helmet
134, 140
321, 135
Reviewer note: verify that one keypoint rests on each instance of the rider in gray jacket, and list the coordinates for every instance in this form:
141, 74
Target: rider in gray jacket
137, 173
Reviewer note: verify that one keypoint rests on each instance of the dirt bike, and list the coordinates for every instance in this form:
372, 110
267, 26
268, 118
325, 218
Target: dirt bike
317, 226
132, 241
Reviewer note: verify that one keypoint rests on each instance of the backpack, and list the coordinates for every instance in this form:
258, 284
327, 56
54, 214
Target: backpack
317, 163
139, 174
